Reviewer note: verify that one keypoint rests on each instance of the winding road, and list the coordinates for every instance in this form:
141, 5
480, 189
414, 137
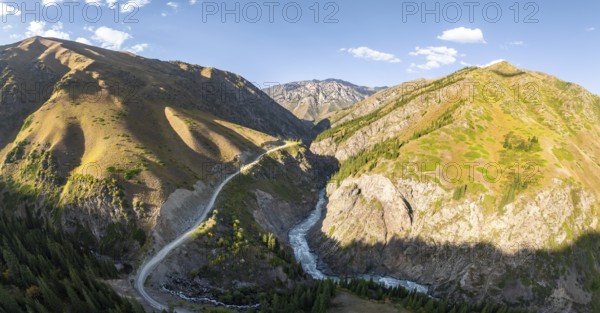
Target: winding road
151, 263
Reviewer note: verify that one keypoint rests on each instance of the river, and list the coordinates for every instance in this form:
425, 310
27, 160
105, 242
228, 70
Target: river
309, 259
297, 239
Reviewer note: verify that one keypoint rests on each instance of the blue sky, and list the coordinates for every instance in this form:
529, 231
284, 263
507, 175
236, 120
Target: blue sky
371, 43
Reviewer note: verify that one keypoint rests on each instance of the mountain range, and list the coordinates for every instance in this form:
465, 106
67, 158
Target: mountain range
482, 185
315, 100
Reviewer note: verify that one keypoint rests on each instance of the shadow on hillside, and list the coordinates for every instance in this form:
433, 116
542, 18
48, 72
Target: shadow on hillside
566, 279
322, 126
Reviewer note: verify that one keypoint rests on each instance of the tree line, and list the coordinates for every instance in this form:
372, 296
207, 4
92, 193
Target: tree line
44, 270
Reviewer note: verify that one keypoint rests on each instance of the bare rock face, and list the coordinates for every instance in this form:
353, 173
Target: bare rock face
180, 211
388, 126
375, 225
315, 100
229, 251
278, 216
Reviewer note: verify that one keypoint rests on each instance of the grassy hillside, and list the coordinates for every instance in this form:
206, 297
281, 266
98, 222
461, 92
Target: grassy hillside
496, 155
544, 133
107, 136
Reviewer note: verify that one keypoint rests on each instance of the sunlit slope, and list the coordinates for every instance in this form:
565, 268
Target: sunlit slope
109, 135
498, 156
496, 117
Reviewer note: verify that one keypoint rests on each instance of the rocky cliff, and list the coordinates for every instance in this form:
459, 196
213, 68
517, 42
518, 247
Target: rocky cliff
315, 100
242, 248
482, 194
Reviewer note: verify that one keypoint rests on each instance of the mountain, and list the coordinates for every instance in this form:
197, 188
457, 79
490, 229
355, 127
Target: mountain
315, 100
113, 156
484, 184
107, 136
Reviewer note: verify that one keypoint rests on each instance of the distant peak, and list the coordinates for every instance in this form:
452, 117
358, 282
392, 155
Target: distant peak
330, 80
500, 65
504, 68
39, 40
31, 42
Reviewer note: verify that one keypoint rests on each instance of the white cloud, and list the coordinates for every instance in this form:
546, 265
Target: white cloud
463, 35
174, 5
492, 63
131, 5
8, 9
192, 2
47, 2
111, 3
36, 28
138, 48
517, 43
7, 27
110, 38
39, 29
590, 29
463, 63
368, 53
83, 40
435, 56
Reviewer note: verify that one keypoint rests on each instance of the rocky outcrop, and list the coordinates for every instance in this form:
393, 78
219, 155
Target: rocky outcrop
315, 100
235, 250
415, 230
527, 237
387, 127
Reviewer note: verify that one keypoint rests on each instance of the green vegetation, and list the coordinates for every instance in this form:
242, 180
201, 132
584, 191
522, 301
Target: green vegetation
520, 158
563, 154
80, 188
27, 123
459, 192
44, 270
313, 298
17, 152
516, 142
445, 119
417, 302
120, 234
128, 174
511, 190
238, 248
389, 149
345, 130
41, 168
349, 128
